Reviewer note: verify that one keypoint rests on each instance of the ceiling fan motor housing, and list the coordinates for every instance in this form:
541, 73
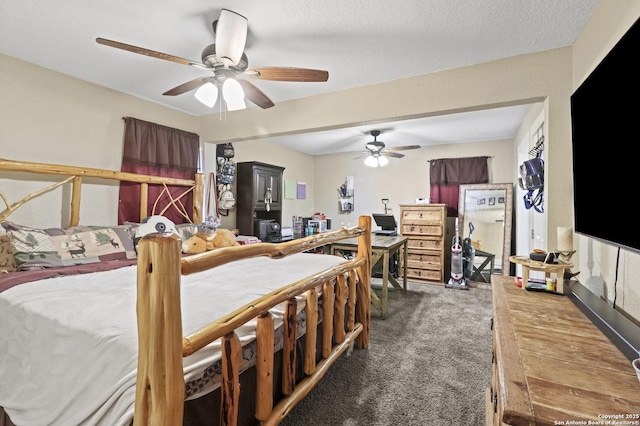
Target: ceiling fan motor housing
211, 60
375, 146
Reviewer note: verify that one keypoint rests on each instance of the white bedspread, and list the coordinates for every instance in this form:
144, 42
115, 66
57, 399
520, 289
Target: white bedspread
68, 345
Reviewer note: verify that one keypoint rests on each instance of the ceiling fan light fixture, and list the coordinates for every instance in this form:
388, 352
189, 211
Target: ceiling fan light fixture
232, 92
371, 161
207, 94
236, 106
383, 161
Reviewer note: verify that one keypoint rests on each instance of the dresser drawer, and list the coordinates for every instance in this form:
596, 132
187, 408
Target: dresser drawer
424, 244
424, 274
421, 215
413, 229
420, 260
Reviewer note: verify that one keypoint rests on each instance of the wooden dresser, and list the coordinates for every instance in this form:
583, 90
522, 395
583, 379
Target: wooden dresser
553, 366
425, 226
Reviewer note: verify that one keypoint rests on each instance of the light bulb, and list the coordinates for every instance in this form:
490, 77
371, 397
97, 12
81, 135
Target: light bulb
232, 92
383, 161
207, 94
371, 161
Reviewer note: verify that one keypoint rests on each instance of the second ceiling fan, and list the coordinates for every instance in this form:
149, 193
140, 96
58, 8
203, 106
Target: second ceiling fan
230, 67
377, 151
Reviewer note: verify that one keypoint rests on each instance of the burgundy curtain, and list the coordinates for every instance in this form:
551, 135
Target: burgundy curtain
447, 174
156, 150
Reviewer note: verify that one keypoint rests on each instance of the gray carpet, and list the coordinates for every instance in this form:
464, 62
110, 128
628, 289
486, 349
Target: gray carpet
428, 363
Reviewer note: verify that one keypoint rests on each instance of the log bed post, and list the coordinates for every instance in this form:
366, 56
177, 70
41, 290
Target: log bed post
160, 382
363, 311
74, 220
197, 215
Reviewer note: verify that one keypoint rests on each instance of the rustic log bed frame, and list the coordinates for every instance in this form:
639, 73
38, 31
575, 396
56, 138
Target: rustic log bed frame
160, 385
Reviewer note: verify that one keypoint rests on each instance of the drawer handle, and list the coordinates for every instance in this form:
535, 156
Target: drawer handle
420, 215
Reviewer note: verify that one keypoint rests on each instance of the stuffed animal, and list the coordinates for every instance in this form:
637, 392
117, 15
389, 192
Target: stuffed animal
198, 243
224, 238
202, 242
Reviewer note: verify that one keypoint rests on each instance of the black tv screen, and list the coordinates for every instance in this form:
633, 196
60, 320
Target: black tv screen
605, 125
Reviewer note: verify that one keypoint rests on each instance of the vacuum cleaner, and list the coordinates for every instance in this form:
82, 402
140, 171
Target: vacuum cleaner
462, 254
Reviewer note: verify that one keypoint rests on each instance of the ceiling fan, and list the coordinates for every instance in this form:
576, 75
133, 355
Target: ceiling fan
229, 66
377, 151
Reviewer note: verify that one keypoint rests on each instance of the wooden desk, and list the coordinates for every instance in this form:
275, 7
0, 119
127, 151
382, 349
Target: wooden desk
552, 365
382, 248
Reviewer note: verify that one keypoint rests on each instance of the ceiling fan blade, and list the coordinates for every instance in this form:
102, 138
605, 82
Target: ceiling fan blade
231, 36
255, 95
287, 74
402, 148
148, 52
391, 154
185, 87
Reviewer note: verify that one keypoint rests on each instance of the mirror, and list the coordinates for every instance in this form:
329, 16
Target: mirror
488, 207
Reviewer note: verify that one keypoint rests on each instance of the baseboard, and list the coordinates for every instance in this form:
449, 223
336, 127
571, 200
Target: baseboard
623, 333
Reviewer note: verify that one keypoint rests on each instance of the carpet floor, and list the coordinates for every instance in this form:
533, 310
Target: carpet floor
428, 363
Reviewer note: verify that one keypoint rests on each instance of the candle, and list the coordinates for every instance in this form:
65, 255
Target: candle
565, 239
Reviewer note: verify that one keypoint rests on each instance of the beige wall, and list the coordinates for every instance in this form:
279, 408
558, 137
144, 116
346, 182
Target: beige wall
52, 118
299, 167
543, 76
597, 261
401, 181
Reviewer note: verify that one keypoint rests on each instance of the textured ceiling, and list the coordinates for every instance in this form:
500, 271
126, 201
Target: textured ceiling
360, 42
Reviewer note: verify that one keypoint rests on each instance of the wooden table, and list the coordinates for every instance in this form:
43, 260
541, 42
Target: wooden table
552, 365
382, 248
549, 269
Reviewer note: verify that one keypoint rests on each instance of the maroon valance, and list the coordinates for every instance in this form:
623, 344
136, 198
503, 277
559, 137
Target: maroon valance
153, 149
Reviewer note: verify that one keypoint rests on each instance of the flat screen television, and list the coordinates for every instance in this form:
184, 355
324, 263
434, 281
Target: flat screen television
605, 125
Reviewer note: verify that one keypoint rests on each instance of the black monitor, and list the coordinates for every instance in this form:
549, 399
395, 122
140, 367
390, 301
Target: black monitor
386, 221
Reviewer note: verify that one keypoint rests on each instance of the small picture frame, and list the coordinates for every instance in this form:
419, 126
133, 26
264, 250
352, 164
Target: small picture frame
500, 200
481, 201
492, 201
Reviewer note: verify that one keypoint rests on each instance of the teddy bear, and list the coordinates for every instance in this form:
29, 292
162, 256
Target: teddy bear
201, 242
